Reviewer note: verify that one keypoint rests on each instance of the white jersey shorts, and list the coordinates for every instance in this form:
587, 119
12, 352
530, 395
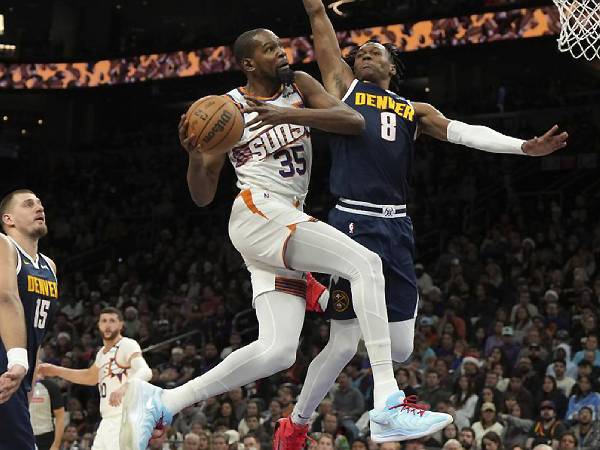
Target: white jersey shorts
260, 227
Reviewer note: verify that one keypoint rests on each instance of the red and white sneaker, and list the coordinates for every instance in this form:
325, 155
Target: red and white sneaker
317, 295
289, 436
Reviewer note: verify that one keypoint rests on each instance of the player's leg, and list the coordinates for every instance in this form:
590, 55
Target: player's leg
341, 348
318, 247
280, 318
15, 423
403, 336
344, 336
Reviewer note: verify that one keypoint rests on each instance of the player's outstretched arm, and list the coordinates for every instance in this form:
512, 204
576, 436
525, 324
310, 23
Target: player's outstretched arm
435, 124
324, 111
203, 169
88, 377
12, 322
139, 369
337, 75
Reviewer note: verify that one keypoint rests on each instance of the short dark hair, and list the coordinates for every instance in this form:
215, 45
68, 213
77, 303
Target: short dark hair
112, 310
469, 429
7, 199
245, 44
559, 360
394, 54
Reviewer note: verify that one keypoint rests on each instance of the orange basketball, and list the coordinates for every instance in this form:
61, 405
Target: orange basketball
216, 122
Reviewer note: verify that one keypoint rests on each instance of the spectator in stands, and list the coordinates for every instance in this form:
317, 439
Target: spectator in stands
432, 392
583, 396
548, 429
568, 441
219, 442
464, 399
551, 392
452, 444
563, 382
586, 429
191, 441
590, 344
252, 410
226, 416
491, 441
325, 442
349, 403
235, 342
251, 442
489, 422
467, 438
69, 437
184, 420
523, 396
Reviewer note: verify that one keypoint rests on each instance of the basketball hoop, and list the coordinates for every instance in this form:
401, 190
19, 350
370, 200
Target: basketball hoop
580, 28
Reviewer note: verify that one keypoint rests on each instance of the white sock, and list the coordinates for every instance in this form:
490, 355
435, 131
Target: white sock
280, 318
385, 386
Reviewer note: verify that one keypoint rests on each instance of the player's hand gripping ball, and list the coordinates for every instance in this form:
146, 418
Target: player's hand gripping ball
215, 124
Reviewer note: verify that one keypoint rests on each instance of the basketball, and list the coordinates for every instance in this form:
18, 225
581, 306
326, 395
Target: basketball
216, 122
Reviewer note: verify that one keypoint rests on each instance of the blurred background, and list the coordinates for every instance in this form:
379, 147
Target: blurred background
507, 247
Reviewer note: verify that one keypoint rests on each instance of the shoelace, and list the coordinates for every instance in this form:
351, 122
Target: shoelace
410, 404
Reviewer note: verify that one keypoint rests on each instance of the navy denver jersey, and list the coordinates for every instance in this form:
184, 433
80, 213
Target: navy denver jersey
38, 290
374, 166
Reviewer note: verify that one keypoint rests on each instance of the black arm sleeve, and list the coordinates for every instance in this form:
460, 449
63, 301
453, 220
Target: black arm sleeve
56, 399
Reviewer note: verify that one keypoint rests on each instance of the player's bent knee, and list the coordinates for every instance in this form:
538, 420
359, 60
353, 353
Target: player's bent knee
283, 357
401, 351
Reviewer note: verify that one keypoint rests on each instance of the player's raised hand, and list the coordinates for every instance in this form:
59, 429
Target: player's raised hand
267, 114
10, 381
187, 142
548, 143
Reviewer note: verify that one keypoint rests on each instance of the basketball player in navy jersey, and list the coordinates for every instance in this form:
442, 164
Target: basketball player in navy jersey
369, 176
28, 299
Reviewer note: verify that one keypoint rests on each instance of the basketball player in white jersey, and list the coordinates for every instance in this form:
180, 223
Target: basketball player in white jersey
278, 241
118, 361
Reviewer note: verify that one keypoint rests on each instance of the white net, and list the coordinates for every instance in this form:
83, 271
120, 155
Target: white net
580, 27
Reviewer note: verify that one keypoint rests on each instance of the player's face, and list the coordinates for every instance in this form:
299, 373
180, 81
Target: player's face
26, 214
372, 63
110, 326
269, 56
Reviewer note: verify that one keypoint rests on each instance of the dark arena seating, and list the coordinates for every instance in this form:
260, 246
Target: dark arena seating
507, 247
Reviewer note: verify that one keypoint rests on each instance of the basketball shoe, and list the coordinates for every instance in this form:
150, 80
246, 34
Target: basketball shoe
403, 419
143, 412
289, 436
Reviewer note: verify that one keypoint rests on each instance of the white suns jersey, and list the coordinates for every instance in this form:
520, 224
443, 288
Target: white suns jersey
114, 367
276, 159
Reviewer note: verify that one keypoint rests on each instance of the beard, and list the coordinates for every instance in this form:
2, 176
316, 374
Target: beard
40, 232
111, 336
286, 75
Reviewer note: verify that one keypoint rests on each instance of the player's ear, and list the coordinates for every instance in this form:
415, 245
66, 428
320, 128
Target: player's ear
248, 65
6, 219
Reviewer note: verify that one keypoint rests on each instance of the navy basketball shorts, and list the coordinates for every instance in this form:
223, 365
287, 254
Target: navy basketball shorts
15, 423
393, 241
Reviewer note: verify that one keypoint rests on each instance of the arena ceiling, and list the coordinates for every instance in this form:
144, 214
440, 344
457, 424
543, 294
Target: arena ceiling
53, 30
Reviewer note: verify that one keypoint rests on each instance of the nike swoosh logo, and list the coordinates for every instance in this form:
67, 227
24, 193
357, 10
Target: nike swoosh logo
44, 267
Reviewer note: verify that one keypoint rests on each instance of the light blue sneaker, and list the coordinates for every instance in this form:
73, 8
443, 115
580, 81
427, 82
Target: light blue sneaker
403, 419
143, 412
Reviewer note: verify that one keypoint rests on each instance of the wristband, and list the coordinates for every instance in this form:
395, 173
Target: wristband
17, 356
